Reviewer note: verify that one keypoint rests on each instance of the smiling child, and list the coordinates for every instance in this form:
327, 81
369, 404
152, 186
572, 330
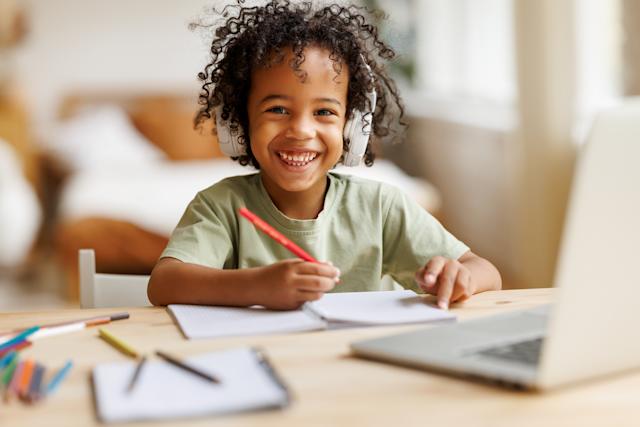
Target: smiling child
300, 89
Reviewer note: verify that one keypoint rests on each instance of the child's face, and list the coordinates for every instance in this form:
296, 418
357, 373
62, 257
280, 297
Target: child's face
296, 127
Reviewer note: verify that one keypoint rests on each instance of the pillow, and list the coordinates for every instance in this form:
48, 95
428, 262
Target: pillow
167, 122
101, 137
20, 213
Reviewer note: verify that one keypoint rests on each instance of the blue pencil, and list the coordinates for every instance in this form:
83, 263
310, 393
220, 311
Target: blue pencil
6, 359
20, 337
58, 377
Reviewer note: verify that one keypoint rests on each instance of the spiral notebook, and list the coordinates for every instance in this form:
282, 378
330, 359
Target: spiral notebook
162, 391
336, 310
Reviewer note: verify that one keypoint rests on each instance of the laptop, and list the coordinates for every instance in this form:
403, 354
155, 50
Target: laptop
591, 330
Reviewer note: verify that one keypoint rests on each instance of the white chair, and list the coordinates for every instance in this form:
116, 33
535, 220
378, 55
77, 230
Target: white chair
109, 290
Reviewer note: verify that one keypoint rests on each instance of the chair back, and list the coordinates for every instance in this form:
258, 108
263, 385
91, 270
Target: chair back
109, 290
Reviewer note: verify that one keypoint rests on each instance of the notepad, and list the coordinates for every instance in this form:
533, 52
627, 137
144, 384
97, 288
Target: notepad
162, 391
336, 310
197, 321
376, 308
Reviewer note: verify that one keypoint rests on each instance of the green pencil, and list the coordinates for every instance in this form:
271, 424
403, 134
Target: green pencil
8, 372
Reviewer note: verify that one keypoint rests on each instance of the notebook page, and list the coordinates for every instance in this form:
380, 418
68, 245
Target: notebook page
198, 321
164, 391
377, 308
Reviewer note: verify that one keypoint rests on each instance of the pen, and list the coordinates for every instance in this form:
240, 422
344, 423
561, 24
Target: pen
266, 364
187, 368
136, 374
117, 343
275, 235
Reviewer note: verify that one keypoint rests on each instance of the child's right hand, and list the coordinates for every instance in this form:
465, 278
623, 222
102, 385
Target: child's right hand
286, 285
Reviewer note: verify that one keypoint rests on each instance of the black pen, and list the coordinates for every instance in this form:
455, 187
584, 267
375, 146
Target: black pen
271, 371
136, 374
187, 368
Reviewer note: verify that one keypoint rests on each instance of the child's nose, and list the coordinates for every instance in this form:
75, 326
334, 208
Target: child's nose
300, 128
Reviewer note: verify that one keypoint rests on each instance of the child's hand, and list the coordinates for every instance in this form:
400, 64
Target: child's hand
447, 278
290, 283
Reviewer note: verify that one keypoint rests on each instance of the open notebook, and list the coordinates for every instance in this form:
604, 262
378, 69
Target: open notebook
162, 391
331, 311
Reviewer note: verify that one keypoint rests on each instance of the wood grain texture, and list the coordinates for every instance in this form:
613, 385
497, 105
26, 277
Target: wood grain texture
329, 386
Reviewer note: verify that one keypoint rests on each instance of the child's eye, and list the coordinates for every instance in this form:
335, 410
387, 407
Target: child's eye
277, 110
324, 112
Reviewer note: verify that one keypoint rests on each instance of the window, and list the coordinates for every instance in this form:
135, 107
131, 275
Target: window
459, 48
599, 62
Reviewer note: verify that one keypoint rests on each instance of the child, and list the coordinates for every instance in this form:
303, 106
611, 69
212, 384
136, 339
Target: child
292, 89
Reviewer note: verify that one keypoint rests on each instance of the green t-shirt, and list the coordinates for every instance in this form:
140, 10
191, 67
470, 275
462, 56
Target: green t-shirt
366, 228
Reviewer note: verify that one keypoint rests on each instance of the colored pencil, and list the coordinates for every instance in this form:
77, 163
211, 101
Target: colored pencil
117, 343
15, 347
275, 235
7, 375
25, 380
13, 386
35, 388
19, 337
136, 374
87, 321
7, 358
71, 327
187, 368
58, 377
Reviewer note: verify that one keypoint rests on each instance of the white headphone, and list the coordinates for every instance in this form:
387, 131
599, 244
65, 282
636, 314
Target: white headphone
357, 130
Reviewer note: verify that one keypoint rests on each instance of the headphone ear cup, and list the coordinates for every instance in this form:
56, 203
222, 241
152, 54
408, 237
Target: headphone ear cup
228, 139
359, 127
357, 132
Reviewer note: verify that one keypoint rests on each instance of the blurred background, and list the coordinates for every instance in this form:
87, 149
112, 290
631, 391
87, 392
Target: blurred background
97, 148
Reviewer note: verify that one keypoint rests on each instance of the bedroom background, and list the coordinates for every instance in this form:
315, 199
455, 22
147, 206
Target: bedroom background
94, 97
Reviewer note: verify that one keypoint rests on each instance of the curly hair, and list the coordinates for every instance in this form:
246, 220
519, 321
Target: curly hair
257, 36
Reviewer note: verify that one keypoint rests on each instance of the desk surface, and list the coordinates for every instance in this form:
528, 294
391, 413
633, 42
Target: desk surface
329, 386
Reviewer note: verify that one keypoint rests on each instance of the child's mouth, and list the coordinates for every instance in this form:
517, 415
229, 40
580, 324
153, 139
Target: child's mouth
297, 159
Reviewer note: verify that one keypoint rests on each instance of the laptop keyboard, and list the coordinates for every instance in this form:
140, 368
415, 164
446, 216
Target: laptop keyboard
527, 352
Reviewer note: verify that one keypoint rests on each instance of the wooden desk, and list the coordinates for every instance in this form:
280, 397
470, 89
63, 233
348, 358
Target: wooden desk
329, 386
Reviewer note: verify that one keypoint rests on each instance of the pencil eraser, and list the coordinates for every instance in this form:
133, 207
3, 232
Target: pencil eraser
119, 316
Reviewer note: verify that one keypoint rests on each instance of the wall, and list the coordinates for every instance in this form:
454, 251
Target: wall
473, 167
78, 45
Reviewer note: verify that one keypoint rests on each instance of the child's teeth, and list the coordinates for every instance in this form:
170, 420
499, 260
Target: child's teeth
298, 159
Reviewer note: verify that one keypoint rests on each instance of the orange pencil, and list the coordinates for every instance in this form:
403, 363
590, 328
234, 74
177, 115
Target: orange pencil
25, 381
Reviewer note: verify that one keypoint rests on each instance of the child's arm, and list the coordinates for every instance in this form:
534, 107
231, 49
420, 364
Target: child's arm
456, 280
284, 285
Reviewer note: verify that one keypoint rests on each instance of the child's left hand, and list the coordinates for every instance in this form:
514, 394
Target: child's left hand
449, 279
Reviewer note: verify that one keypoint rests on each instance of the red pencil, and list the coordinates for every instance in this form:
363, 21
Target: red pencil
271, 232
15, 347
